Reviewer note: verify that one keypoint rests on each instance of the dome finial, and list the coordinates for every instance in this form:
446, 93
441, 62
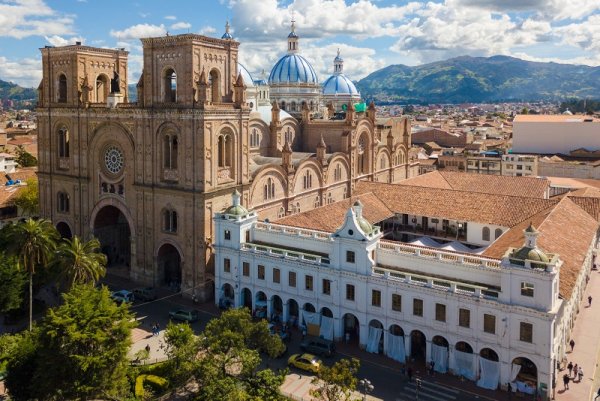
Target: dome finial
227, 34
293, 22
338, 52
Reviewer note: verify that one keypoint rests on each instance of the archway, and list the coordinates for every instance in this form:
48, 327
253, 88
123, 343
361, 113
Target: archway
418, 346
463, 347
439, 353
102, 88
260, 305
464, 360
247, 298
525, 374
396, 330
293, 311
113, 231
326, 312
169, 267
64, 230
276, 308
489, 354
489, 369
351, 327
309, 307
375, 339
227, 296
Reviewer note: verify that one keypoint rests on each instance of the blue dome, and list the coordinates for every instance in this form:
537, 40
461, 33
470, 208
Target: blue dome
226, 35
339, 84
293, 68
248, 81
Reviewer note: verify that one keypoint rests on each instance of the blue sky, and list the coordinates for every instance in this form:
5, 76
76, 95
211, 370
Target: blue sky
370, 33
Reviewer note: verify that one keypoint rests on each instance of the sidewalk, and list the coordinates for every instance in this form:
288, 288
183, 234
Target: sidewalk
587, 342
297, 387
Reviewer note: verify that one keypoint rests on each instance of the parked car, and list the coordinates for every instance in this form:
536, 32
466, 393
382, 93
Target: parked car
144, 294
122, 296
318, 346
307, 362
184, 315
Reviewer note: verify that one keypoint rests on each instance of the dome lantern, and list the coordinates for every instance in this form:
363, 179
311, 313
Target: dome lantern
227, 34
293, 39
338, 64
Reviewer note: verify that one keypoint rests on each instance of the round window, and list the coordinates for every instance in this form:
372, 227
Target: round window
350, 232
113, 159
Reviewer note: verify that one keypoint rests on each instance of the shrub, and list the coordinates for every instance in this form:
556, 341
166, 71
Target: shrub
156, 383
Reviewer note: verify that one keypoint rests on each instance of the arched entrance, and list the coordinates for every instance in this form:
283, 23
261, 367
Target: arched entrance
64, 230
463, 347
464, 360
169, 267
489, 354
113, 231
227, 296
276, 308
293, 310
418, 346
375, 339
489, 369
326, 312
308, 307
439, 353
351, 327
260, 305
396, 330
247, 298
525, 374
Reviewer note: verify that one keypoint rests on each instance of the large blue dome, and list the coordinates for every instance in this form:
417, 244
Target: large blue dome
293, 68
248, 81
339, 84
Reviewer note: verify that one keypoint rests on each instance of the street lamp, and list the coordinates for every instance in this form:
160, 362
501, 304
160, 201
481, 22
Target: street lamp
367, 387
418, 385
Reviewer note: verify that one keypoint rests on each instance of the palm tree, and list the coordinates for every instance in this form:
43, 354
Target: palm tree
80, 262
33, 243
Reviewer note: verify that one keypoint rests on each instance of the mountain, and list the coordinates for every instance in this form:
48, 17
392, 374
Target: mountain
480, 79
14, 92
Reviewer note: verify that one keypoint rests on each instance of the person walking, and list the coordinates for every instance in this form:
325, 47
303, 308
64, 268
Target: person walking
572, 344
580, 374
409, 373
566, 379
590, 300
570, 367
575, 370
597, 394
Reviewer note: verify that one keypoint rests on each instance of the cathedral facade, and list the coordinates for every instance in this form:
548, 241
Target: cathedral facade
146, 177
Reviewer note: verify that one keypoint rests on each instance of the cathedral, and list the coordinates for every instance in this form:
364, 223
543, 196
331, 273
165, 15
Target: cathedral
147, 177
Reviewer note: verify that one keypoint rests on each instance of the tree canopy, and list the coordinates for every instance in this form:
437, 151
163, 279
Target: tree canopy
338, 382
80, 262
24, 158
28, 198
12, 284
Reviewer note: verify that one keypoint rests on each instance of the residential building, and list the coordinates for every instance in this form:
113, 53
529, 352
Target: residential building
484, 165
8, 163
519, 165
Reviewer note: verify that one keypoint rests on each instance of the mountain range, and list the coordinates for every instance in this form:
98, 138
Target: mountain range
480, 79
14, 92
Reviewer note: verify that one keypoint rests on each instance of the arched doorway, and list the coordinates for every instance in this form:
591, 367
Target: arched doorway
113, 231
309, 307
463, 347
464, 360
396, 330
326, 312
293, 311
439, 353
418, 346
375, 339
247, 298
64, 230
489, 369
169, 267
351, 327
276, 308
260, 305
525, 374
227, 296
489, 354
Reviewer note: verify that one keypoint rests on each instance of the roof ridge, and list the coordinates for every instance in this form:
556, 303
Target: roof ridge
445, 179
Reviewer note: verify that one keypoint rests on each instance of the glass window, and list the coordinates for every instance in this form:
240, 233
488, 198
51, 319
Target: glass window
418, 307
308, 282
276, 275
489, 323
261, 272
326, 287
227, 235
350, 257
292, 279
526, 332
246, 269
527, 289
349, 292
464, 318
397, 302
226, 265
376, 298
440, 312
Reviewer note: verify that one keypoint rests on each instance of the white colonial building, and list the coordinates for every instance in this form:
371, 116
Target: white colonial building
499, 311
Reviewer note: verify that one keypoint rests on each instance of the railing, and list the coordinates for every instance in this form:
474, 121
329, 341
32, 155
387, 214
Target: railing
284, 253
224, 174
449, 234
448, 256
291, 231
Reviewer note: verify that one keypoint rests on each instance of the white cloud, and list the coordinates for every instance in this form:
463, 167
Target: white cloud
207, 30
181, 25
170, 17
139, 31
25, 72
584, 35
22, 18
56, 40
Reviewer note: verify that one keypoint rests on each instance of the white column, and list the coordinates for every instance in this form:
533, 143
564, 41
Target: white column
427, 351
364, 335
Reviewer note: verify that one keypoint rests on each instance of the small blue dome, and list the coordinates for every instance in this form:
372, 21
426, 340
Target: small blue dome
293, 68
248, 81
339, 84
226, 35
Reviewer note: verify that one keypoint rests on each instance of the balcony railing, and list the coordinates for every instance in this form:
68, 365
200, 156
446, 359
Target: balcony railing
297, 232
285, 253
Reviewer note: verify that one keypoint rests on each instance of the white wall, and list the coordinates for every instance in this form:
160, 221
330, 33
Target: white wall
555, 137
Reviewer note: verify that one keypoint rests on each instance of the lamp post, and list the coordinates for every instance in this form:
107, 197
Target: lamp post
367, 387
418, 387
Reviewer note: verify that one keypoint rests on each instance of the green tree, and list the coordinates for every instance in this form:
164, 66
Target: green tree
338, 382
28, 198
83, 347
24, 158
80, 262
12, 284
22, 364
181, 348
33, 243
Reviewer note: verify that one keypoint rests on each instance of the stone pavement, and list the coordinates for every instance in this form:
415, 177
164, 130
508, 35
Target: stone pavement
297, 387
141, 337
587, 343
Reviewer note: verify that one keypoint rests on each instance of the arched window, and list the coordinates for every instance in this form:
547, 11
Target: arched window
497, 233
337, 173
317, 201
307, 180
329, 199
485, 234
62, 88
63, 142
254, 138
289, 136
225, 144
282, 106
382, 163
171, 150
215, 86
281, 213
297, 207
362, 155
170, 221
101, 88
170, 86
345, 194
63, 202
293, 106
312, 105
269, 189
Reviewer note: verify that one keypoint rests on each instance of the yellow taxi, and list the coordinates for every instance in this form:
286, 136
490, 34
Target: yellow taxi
307, 362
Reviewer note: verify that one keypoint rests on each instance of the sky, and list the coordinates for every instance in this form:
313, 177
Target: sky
370, 34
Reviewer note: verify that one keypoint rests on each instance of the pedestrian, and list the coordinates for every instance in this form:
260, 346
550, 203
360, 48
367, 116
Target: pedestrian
157, 329
572, 344
153, 330
409, 373
597, 394
431, 366
580, 374
566, 379
590, 300
303, 332
570, 367
148, 348
575, 370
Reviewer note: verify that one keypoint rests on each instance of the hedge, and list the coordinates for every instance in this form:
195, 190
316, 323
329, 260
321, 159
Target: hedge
158, 384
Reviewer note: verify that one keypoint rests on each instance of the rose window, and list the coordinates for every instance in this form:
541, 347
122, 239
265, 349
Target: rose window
113, 159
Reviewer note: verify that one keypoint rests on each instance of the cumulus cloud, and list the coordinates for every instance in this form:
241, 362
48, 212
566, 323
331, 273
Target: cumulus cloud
207, 30
56, 40
181, 25
548, 9
22, 18
25, 72
170, 17
139, 31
